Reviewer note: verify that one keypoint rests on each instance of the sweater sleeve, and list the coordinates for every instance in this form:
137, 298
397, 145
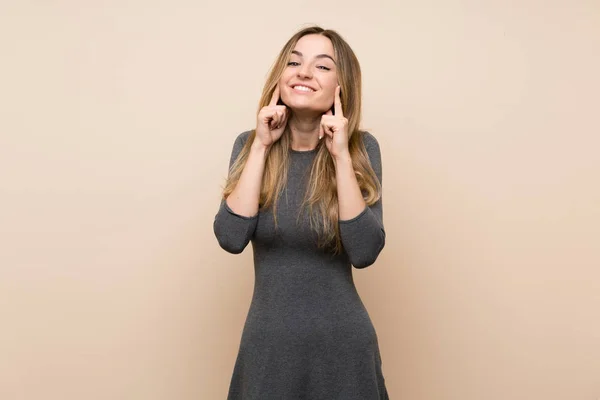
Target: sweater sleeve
363, 236
234, 231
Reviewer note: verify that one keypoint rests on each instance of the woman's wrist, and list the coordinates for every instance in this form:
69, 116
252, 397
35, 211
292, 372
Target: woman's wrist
258, 147
343, 158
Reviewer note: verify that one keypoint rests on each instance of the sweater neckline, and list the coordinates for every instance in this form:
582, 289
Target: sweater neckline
312, 151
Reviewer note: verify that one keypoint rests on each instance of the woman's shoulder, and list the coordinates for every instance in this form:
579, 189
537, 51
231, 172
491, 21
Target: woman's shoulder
242, 138
239, 143
370, 142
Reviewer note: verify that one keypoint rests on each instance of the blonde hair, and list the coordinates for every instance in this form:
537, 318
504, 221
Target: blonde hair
321, 196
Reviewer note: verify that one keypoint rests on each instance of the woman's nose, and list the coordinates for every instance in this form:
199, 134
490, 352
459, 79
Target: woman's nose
304, 71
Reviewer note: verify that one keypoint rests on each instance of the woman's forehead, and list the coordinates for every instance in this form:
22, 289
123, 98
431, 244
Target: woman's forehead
311, 45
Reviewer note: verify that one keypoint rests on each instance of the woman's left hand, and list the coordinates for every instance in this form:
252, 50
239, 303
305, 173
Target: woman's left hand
334, 129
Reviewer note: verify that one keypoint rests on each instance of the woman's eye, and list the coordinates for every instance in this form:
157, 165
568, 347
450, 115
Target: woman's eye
324, 67
293, 63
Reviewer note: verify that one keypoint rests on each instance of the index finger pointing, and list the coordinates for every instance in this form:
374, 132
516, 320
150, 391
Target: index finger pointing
275, 97
338, 103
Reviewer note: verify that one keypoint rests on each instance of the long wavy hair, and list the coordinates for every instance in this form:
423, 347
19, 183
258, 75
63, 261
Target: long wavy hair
321, 195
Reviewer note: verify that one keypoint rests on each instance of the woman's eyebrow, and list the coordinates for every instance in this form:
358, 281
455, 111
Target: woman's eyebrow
296, 52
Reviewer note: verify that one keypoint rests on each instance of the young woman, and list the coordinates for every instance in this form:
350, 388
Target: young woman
305, 188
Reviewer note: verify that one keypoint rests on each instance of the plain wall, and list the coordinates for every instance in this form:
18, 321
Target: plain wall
116, 125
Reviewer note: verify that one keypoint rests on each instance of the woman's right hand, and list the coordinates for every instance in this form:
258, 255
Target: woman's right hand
271, 121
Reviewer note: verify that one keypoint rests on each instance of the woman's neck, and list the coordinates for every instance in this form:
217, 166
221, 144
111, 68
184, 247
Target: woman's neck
305, 132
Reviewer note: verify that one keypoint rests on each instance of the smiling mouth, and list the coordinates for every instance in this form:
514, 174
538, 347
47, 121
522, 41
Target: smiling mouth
304, 89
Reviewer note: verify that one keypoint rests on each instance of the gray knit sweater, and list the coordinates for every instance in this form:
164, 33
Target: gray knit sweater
307, 334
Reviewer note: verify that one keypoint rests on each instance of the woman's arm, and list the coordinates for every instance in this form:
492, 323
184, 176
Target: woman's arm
236, 220
245, 197
361, 227
237, 217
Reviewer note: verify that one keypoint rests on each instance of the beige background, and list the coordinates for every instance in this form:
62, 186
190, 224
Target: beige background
117, 120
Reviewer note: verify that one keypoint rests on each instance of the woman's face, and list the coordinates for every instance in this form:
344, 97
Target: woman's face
308, 83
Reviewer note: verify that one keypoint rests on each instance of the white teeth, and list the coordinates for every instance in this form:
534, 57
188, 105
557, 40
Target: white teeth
303, 88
